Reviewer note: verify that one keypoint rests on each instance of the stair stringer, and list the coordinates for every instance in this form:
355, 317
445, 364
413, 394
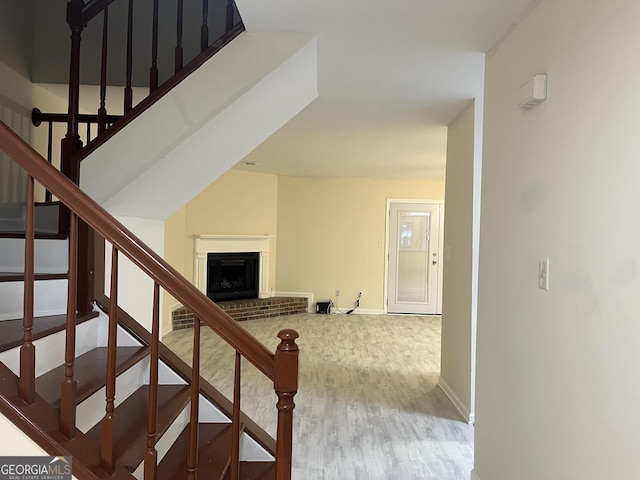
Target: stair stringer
203, 126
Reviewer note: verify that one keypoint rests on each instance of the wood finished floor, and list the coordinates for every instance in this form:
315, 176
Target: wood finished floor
367, 408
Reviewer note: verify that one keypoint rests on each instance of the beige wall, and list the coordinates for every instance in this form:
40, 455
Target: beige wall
330, 231
238, 203
331, 234
458, 307
557, 378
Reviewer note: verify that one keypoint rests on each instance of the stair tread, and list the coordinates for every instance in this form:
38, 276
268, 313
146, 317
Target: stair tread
214, 448
11, 331
46, 418
19, 277
130, 421
39, 235
89, 372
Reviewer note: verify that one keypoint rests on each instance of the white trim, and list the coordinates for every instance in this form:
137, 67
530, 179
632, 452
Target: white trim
474, 475
309, 296
385, 290
468, 416
205, 244
360, 311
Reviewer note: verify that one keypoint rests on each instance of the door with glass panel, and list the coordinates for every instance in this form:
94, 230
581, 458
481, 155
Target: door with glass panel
414, 281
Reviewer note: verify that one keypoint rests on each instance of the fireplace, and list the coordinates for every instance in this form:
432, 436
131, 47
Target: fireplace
232, 276
226, 244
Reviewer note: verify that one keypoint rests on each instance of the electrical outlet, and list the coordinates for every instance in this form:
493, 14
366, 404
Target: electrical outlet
337, 292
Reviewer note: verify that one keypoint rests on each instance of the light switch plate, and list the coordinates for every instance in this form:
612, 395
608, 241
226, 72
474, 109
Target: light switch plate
543, 274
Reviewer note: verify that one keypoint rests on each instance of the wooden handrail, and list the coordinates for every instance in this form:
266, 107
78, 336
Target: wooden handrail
37, 117
133, 248
158, 93
93, 8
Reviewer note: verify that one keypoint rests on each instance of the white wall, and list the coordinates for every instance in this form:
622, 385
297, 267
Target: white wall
135, 288
557, 371
460, 276
14, 442
15, 111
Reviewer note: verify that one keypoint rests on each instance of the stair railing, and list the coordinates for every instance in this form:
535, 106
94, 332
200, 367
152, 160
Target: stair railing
79, 15
73, 150
280, 367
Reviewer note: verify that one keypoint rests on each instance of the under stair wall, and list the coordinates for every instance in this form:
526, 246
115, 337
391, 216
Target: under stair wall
203, 126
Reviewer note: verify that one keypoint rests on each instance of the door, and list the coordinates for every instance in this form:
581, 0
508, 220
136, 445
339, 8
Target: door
414, 273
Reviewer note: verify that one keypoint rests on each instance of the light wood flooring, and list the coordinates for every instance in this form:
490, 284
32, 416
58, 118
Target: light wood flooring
367, 408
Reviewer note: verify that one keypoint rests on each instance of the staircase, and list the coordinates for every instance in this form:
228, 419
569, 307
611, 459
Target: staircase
129, 422
78, 375
160, 420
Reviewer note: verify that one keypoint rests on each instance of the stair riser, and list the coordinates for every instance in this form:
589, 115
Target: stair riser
50, 255
166, 441
50, 298
50, 349
92, 410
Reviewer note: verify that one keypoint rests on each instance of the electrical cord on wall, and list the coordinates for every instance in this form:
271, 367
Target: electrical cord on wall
332, 308
357, 303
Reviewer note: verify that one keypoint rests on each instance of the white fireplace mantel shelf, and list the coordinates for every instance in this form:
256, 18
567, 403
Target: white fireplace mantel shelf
205, 244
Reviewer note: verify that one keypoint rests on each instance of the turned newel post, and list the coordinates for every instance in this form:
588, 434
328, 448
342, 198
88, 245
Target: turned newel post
71, 143
286, 385
69, 165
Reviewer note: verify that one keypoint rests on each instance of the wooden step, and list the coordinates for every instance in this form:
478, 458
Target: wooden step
214, 450
19, 277
41, 421
49, 236
11, 331
130, 422
89, 371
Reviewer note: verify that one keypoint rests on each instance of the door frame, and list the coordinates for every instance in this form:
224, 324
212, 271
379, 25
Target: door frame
440, 241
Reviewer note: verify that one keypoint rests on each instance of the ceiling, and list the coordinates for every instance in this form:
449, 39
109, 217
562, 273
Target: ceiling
391, 76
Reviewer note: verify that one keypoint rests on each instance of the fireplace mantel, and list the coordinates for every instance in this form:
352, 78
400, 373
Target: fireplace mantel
205, 244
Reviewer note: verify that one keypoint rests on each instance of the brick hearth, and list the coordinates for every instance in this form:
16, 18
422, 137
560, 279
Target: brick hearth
246, 310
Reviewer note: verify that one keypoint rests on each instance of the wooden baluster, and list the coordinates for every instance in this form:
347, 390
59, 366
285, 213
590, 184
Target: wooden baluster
71, 143
192, 459
230, 14
86, 257
88, 132
235, 427
153, 80
47, 196
151, 455
178, 50
204, 30
286, 385
102, 111
69, 385
108, 459
27, 382
128, 92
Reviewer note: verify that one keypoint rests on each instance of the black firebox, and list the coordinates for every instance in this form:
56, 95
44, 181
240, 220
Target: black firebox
232, 276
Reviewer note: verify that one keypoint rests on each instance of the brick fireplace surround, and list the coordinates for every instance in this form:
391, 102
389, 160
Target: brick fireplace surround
246, 310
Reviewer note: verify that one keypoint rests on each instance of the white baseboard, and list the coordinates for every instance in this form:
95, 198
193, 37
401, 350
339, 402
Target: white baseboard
311, 308
459, 404
359, 311
474, 475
